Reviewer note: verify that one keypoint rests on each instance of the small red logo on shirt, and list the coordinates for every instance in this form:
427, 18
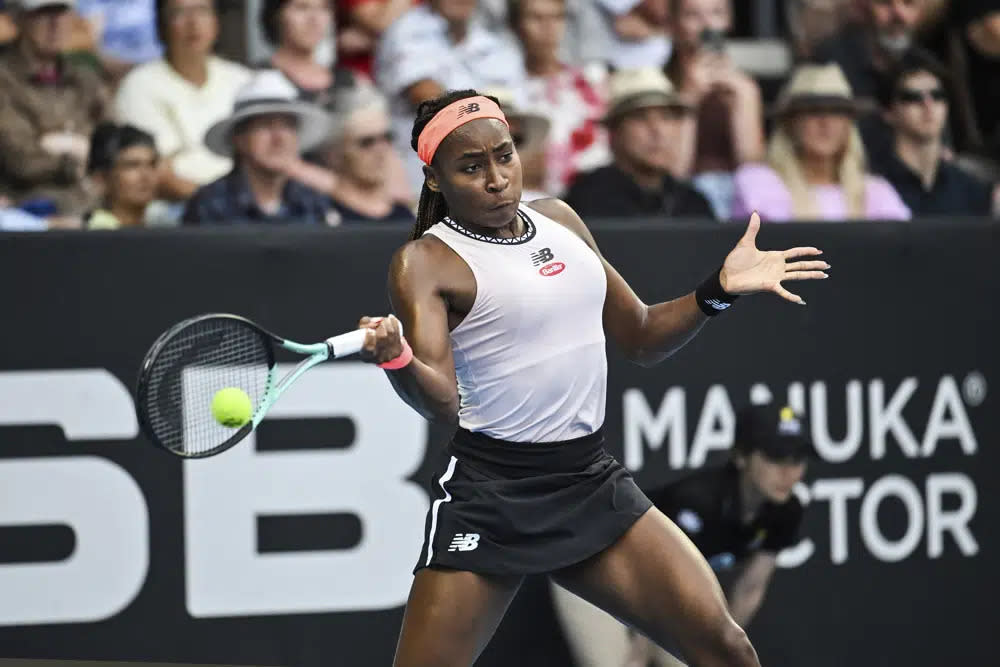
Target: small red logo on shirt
552, 269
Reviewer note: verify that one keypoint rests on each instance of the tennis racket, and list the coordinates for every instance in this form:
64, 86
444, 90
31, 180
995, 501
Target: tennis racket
194, 359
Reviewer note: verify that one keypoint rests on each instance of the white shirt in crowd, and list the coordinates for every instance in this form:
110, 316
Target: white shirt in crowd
155, 98
416, 47
586, 39
16, 220
649, 52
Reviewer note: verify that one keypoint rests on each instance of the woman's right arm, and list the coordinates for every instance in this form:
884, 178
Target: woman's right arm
427, 383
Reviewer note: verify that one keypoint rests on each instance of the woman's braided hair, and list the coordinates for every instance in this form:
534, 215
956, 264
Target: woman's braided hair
432, 207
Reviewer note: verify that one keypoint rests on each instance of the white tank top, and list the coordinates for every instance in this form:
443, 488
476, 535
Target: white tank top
529, 357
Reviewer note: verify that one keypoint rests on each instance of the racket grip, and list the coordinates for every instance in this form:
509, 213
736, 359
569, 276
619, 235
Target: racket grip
346, 344
350, 343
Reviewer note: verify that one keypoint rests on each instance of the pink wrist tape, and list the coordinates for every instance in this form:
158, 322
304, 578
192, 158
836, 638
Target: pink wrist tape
404, 358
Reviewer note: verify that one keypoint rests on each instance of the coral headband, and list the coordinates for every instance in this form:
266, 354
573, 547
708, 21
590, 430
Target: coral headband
452, 117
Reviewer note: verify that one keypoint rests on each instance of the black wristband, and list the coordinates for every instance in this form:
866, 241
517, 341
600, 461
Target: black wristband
711, 298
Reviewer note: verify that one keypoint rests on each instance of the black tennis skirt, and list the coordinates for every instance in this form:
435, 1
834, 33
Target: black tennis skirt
509, 508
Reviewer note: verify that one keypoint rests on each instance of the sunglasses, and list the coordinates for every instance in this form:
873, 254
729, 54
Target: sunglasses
914, 96
136, 163
369, 140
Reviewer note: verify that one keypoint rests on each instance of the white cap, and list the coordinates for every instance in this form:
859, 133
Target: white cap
269, 91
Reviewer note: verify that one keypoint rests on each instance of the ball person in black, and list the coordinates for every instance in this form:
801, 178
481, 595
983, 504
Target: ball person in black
739, 515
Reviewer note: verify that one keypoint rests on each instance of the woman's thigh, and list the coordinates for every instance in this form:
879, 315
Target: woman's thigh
654, 579
451, 616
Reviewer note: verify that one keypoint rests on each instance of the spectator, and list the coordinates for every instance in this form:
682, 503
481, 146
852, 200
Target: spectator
813, 22
267, 130
48, 108
866, 50
121, 34
916, 107
432, 48
591, 40
296, 28
975, 62
8, 28
815, 162
727, 129
178, 97
645, 120
361, 24
123, 164
529, 130
739, 515
636, 32
573, 102
359, 152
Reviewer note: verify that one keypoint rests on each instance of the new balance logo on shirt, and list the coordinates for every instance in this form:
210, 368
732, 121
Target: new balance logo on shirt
542, 256
464, 542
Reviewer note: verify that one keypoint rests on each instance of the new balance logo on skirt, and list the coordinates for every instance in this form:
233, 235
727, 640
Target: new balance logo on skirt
464, 542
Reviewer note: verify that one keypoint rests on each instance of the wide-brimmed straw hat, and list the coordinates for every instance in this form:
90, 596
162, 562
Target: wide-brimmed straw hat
818, 88
269, 92
641, 88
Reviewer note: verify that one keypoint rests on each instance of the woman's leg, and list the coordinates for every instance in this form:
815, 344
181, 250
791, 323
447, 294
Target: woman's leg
595, 637
451, 616
656, 580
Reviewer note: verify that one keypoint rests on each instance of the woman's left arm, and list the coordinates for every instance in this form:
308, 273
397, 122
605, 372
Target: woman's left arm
649, 334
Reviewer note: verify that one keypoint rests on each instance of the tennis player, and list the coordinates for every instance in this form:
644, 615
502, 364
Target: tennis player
505, 307
739, 515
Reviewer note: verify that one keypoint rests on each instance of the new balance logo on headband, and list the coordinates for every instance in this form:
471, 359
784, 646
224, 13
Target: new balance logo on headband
542, 256
464, 542
471, 107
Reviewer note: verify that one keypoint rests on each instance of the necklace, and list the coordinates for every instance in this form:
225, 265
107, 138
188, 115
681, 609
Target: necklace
529, 232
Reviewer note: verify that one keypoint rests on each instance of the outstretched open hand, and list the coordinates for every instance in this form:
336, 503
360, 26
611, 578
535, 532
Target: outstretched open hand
748, 270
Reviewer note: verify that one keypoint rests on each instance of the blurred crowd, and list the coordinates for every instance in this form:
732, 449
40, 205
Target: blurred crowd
121, 113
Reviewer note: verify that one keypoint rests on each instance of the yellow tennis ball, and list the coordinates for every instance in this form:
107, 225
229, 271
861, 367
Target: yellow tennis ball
231, 407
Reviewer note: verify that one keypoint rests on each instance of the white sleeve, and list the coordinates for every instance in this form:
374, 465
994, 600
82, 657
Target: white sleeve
402, 62
512, 65
238, 74
16, 220
137, 103
618, 7
87, 8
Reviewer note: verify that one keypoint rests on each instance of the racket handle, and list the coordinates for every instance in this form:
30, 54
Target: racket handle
350, 343
346, 344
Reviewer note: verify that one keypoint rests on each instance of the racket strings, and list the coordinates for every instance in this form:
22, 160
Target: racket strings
190, 368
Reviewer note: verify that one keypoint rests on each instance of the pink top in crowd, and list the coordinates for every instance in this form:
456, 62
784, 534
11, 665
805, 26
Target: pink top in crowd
759, 188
